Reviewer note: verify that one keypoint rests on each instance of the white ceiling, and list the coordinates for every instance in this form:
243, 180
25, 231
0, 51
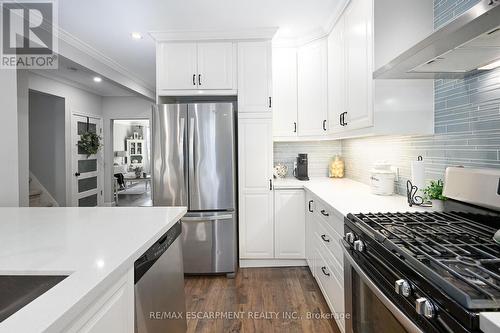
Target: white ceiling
106, 25
81, 77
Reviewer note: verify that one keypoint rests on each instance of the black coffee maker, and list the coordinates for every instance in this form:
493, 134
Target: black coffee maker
300, 171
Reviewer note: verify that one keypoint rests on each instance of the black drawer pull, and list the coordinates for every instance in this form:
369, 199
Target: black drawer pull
324, 213
310, 208
323, 269
325, 239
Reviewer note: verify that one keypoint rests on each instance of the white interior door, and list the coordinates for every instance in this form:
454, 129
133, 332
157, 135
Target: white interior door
87, 171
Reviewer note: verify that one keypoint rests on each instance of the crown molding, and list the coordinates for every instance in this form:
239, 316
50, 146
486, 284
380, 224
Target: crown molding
321, 31
206, 35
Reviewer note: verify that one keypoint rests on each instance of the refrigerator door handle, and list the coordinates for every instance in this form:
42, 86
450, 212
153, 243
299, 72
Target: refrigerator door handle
207, 218
191, 148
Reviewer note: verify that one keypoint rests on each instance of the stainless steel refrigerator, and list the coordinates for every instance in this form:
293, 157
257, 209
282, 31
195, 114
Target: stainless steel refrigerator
194, 165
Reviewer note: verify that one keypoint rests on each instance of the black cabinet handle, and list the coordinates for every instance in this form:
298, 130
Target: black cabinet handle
270, 184
294, 127
342, 116
194, 79
270, 102
324, 213
323, 269
309, 205
199, 79
325, 239
340, 119
324, 125
77, 174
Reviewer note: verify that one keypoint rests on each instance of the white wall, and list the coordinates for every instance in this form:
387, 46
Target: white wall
22, 117
76, 101
47, 158
119, 108
9, 193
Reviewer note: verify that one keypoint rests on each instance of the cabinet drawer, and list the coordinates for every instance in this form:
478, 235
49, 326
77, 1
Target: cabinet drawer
330, 216
333, 290
331, 240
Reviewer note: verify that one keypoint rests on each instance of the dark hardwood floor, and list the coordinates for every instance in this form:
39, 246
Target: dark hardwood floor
257, 293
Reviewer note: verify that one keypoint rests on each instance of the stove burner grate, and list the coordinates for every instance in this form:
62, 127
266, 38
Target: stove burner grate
455, 252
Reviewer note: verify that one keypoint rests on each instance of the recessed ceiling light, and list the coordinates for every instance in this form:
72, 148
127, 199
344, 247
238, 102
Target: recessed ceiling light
492, 65
97, 79
136, 35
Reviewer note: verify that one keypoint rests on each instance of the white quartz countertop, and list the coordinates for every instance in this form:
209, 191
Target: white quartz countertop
349, 196
95, 246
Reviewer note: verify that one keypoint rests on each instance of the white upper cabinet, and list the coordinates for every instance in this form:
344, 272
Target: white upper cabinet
358, 105
285, 92
336, 77
215, 66
177, 66
312, 89
254, 77
358, 64
196, 66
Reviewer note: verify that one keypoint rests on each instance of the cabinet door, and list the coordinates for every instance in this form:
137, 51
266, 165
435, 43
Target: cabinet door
254, 77
177, 67
255, 155
215, 66
289, 224
312, 89
336, 76
309, 212
285, 92
359, 64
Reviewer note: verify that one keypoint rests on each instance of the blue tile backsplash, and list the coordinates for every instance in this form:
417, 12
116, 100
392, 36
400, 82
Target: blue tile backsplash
467, 124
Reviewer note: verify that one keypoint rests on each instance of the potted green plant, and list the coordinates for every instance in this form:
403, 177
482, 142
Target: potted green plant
137, 171
434, 193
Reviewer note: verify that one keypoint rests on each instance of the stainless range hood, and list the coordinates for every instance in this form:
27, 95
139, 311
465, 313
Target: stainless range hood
459, 48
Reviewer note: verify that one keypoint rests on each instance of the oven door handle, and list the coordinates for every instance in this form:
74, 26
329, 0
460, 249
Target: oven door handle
400, 316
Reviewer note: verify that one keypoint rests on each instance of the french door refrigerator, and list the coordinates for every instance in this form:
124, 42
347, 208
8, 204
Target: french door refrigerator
194, 165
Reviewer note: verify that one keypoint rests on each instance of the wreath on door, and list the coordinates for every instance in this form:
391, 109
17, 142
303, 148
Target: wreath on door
90, 143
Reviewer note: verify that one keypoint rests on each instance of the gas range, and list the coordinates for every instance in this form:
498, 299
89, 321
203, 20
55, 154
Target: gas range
439, 269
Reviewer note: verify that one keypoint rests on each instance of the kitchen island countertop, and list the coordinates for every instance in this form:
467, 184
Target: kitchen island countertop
94, 246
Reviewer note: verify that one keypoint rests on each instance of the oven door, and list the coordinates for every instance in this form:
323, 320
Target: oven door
370, 309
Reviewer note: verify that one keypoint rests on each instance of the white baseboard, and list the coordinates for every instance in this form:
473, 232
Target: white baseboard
248, 263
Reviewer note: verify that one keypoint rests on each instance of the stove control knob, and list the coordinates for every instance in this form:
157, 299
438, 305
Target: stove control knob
425, 308
402, 287
359, 245
349, 237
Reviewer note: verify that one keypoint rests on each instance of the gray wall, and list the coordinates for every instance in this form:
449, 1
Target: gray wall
319, 155
467, 125
47, 158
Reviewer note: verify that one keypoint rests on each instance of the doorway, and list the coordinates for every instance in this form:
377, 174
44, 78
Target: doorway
132, 162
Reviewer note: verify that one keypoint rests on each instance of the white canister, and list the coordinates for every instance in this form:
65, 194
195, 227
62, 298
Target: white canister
382, 179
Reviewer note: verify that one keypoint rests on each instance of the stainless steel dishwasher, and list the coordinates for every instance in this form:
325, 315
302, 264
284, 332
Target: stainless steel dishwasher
159, 286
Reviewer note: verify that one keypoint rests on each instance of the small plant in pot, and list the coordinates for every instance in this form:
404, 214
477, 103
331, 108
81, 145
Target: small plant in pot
138, 171
434, 193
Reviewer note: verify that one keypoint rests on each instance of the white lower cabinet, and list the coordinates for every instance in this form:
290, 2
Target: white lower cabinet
324, 254
112, 312
289, 224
